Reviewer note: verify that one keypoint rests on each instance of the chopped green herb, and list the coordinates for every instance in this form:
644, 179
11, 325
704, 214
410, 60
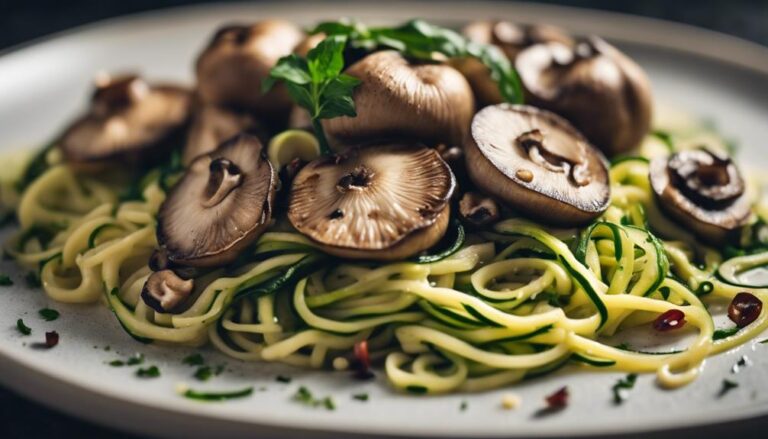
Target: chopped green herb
148, 372
22, 328
5, 281
464, 405
763, 341
135, 360
622, 387
117, 363
283, 379
33, 280
219, 369
48, 314
304, 396
194, 360
217, 396
720, 334
728, 385
360, 397
203, 373
418, 390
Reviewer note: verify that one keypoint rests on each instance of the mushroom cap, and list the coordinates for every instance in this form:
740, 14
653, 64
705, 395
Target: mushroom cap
704, 192
239, 57
403, 100
128, 120
511, 38
537, 163
605, 94
220, 206
211, 125
382, 202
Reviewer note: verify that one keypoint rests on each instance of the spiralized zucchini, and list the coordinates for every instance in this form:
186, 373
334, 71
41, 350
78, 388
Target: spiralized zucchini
514, 302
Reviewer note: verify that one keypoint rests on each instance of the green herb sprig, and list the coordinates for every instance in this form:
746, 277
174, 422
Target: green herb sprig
317, 84
422, 40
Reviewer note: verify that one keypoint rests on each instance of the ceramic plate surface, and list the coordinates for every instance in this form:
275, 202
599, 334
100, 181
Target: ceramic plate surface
44, 84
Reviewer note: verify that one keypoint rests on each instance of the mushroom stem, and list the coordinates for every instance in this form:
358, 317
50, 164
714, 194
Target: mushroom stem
164, 290
224, 177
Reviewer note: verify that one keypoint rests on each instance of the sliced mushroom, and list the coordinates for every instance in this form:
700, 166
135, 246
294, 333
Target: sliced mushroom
384, 202
404, 100
129, 121
478, 210
164, 290
238, 58
704, 191
537, 163
220, 206
211, 125
601, 91
510, 38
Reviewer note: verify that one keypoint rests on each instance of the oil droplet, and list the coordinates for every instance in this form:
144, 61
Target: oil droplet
524, 175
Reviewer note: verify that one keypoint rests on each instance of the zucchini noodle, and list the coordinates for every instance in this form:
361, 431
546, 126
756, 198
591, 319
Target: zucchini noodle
514, 302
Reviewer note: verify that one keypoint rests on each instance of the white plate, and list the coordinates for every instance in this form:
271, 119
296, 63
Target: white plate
43, 85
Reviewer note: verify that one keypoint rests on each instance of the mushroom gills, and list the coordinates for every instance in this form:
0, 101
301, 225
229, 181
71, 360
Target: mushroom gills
704, 191
222, 203
129, 122
536, 163
383, 202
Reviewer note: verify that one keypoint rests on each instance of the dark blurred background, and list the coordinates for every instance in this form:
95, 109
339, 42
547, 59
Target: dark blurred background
22, 21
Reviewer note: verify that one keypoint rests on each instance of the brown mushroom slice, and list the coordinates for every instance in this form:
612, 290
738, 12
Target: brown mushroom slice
536, 162
239, 57
129, 121
384, 202
601, 91
220, 206
478, 210
703, 191
212, 125
403, 100
511, 38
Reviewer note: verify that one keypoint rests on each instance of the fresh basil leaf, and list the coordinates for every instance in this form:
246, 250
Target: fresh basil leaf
326, 60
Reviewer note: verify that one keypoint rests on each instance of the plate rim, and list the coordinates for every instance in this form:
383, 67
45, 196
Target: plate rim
722, 48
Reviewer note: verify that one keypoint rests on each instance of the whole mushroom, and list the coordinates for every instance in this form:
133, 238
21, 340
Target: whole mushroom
129, 122
220, 206
704, 191
538, 164
601, 91
238, 58
383, 202
399, 99
511, 39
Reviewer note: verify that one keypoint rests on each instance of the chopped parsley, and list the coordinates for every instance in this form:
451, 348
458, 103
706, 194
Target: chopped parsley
194, 360
304, 396
360, 397
22, 328
720, 334
148, 372
727, 386
622, 387
117, 363
5, 280
203, 373
33, 280
48, 314
464, 405
135, 360
283, 379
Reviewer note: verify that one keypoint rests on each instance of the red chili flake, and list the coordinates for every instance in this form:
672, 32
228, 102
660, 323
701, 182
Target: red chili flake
744, 309
670, 320
362, 363
51, 339
558, 399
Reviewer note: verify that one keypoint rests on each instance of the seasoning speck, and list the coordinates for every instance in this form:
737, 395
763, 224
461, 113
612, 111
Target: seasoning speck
510, 402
